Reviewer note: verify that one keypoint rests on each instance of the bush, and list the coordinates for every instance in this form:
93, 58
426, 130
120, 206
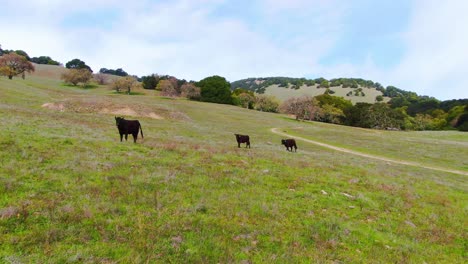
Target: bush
190, 91
266, 103
76, 76
124, 84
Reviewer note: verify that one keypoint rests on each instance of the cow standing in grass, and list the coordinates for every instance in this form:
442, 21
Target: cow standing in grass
242, 139
128, 127
289, 143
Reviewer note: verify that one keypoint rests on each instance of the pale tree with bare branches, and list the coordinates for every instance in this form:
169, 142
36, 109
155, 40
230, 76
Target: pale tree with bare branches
190, 91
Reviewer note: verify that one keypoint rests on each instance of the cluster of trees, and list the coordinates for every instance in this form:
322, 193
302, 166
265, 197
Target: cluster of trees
38, 60
44, 60
171, 86
77, 64
152, 81
258, 85
332, 109
118, 72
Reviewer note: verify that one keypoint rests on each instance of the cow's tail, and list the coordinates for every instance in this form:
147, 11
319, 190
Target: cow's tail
141, 131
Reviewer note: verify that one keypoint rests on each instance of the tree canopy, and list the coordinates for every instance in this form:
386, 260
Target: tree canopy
215, 89
76, 76
118, 72
77, 64
12, 64
44, 60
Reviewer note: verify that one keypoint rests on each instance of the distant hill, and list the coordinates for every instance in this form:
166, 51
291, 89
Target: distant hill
353, 89
55, 72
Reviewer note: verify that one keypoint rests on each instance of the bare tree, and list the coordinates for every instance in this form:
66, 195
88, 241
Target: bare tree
304, 107
167, 88
190, 91
101, 78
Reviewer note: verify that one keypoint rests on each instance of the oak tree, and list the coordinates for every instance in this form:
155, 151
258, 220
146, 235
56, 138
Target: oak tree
13, 64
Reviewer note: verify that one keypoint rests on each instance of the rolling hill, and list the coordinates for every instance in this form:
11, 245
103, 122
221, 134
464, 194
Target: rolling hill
355, 90
71, 192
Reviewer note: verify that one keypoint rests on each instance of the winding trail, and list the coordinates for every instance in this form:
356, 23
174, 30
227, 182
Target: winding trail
408, 163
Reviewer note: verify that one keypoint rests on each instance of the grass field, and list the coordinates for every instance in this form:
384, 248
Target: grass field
283, 93
71, 192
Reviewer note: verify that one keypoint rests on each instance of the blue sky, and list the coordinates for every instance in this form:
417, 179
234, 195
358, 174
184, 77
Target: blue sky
416, 45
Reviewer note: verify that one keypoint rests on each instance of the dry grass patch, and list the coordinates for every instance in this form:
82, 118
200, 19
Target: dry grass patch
109, 107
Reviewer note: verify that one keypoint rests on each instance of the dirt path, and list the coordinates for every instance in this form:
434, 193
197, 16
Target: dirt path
409, 163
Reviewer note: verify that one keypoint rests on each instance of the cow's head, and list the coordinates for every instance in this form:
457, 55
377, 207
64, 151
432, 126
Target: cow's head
118, 119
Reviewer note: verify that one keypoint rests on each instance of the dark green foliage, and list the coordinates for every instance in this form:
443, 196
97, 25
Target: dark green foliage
462, 122
329, 91
23, 53
357, 115
379, 98
44, 60
239, 91
324, 84
215, 89
336, 101
77, 64
150, 81
118, 72
449, 104
392, 91
378, 115
259, 85
423, 105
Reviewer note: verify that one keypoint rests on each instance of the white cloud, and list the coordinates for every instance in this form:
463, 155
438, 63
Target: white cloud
436, 61
189, 39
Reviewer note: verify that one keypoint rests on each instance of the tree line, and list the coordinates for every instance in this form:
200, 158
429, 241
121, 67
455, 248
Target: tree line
258, 85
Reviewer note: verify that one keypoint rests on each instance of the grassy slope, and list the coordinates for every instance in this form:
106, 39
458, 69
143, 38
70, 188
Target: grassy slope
283, 93
71, 192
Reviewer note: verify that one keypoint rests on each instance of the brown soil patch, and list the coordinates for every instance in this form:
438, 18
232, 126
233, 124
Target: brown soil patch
53, 106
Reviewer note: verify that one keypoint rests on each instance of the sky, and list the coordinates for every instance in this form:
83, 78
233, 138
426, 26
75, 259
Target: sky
415, 45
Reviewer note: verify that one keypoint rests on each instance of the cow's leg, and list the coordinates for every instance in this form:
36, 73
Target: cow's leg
135, 136
126, 137
121, 137
238, 144
247, 144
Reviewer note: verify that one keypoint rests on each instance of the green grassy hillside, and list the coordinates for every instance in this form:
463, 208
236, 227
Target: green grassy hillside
71, 192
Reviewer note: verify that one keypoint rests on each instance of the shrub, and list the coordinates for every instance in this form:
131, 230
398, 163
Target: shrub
76, 76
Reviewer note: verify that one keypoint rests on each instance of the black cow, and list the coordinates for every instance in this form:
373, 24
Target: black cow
242, 139
128, 127
289, 143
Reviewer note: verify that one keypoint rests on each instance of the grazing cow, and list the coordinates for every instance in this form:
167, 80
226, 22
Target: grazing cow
289, 143
242, 139
128, 127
